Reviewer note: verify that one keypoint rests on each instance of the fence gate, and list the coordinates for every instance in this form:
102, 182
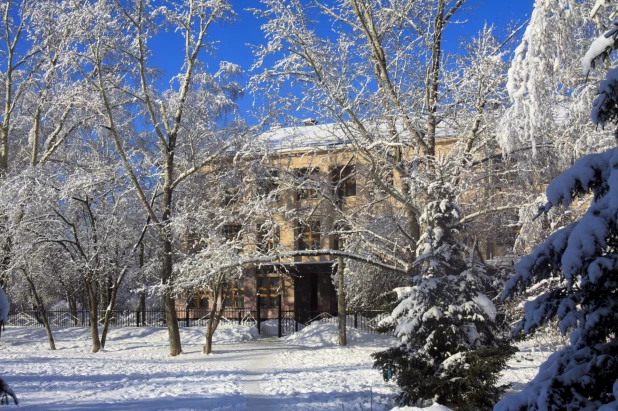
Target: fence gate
288, 324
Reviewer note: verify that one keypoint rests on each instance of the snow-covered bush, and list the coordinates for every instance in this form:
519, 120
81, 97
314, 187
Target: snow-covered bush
583, 375
449, 351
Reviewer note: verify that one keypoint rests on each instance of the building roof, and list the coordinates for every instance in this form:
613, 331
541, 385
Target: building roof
328, 136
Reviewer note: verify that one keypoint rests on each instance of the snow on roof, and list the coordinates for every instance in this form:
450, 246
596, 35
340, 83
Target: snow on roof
324, 136
330, 135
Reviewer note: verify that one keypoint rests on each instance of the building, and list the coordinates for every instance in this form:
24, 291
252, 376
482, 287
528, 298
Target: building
315, 156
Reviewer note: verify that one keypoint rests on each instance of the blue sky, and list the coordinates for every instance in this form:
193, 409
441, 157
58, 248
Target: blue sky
233, 40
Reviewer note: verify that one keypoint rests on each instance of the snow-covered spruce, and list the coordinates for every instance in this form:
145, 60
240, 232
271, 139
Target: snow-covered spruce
584, 375
449, 352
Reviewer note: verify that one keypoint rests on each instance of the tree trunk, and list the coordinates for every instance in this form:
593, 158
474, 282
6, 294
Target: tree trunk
172, 325
213, 322
341, 301
168, 251
433, 80
72, 301
4, 148
110, 308
414, 230
141, 304
208, 345
169, 302
41, 311
43, 314
48, 331
93, 307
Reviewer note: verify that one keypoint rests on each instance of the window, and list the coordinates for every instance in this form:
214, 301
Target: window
308, 183
199, 300
231, 231
232, 236
269, 288
193, 242
232, 184
231, 196
263, 244
344, 179
234, 294
309, 238
267, 183
338, 237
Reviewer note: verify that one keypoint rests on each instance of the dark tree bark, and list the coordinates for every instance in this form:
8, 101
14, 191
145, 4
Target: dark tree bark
341, 302
41, 310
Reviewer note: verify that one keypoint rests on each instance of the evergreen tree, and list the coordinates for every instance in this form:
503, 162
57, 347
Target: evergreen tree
449, 352
584, 254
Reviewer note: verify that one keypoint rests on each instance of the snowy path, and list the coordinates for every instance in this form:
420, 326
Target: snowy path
263, 354
135, 372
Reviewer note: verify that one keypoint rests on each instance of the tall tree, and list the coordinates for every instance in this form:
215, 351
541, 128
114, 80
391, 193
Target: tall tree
176, 132
450, 351
583, 255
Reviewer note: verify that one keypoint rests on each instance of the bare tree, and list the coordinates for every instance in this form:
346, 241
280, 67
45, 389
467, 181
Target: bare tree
183, 127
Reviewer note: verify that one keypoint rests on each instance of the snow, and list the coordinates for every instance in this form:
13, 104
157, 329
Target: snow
403, 292
325, 334
434, 407
487, 305
598, 46
136, 372
524, 366
306, 371
4, 306
269, 328
328, 136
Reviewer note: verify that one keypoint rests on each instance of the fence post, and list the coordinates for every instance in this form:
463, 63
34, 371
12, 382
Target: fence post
187, 317
239, 317
258, 312
279, 333
137, 318
355, 319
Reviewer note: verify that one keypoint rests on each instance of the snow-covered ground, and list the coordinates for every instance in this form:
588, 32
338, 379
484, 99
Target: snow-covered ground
525, 364
136, 372
305, 371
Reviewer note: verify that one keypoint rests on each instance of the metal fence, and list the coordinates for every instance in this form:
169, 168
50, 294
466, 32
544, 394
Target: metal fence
125, 318
288, 321
366, 320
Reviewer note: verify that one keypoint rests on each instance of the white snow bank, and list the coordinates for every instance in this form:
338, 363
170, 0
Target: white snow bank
320, 334
4, 306
434, 407
191, 336
152, 336
269, 328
